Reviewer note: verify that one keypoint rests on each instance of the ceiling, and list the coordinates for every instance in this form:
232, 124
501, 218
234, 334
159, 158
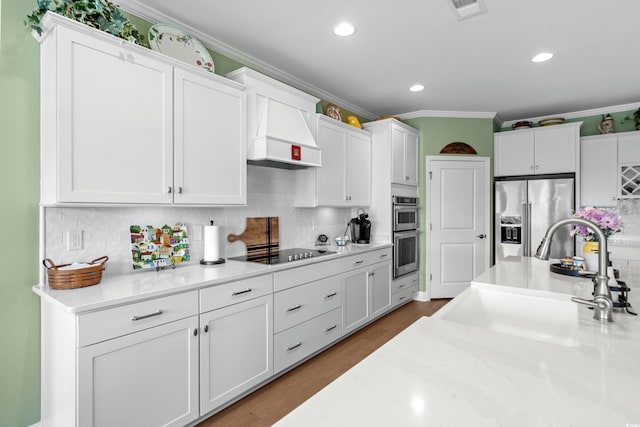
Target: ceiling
478, 65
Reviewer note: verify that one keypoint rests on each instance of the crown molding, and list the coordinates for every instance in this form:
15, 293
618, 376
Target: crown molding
448, 114
578, 114
149, 14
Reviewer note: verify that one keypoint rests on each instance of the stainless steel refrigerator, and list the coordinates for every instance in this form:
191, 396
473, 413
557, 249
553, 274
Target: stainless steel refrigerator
524, 209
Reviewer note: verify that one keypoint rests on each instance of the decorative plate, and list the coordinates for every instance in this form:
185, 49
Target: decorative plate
458, 148
177, 44
153, 247
334, 112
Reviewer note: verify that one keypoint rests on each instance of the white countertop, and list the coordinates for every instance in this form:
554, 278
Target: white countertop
441, 373
139, 285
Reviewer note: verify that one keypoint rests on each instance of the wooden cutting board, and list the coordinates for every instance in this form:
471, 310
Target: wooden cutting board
261, 235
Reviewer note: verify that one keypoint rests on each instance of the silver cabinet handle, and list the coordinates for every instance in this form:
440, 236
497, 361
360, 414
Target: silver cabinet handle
146, 316
401, 286
537, 167
331, 328
406, 178
481, 236
179, 190
294, 308
241, 292
296, 345
358, 262
169, 190
401, 298
383, 255
195, 332
206, 328
332, 294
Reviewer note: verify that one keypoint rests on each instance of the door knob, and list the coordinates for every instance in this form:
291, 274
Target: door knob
481, 236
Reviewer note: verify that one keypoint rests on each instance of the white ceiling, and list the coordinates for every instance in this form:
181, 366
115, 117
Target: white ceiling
481, 64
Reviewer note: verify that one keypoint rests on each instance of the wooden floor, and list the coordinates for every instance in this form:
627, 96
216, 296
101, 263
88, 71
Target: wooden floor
275, 400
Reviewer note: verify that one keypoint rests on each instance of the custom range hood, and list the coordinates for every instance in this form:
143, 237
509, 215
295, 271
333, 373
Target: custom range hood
279, 122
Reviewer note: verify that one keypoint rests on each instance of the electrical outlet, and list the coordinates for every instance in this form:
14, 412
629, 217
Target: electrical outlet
74, 240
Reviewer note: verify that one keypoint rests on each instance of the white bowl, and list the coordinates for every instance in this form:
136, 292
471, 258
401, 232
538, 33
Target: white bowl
342, 240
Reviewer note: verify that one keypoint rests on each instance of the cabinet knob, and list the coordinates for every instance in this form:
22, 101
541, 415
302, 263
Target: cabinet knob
481, 236
195, 332
169, 190
179, 190
206, 328
613, 199
406, 178
537, 167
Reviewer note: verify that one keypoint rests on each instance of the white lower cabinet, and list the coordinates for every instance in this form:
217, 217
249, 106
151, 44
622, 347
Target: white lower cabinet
170, 360
307, 312
404, 289
299, 342
148, 378
236, 344
366, 287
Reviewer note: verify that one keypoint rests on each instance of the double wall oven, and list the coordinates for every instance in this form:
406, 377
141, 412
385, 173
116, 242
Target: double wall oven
405, 235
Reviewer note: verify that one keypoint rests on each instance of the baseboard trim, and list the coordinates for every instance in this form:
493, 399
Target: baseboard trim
422, 296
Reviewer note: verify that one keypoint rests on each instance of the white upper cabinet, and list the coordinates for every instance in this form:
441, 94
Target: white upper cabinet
540, 150
345, 176
118, 120
210, 162
404, 156
598, 164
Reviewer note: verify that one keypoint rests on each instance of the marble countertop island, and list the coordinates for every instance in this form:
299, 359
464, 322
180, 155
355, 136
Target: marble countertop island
443, 373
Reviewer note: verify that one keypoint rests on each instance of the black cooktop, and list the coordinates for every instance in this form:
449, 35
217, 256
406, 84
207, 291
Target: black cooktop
283, 255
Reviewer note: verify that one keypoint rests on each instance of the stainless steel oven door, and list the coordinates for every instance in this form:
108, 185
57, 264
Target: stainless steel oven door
405, 252
405, 218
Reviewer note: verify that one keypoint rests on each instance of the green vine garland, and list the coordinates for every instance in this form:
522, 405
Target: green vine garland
100, 14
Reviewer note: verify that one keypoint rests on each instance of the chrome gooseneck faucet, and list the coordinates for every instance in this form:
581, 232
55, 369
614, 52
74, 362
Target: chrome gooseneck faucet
602, 302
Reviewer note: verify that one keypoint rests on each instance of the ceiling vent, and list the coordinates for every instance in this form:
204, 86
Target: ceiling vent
464, 9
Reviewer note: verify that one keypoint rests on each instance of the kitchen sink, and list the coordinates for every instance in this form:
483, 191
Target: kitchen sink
525, 313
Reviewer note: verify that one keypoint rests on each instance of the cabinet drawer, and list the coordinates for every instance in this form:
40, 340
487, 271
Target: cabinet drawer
114, 322
296, 305
404, 283
299, 342
308, 273
404, 296
367, 258
234, 292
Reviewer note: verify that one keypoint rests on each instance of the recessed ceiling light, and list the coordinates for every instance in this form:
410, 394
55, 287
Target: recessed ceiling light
344, 29
416, 88
541, 57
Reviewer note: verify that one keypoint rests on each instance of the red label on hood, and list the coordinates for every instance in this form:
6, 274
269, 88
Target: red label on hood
296, 152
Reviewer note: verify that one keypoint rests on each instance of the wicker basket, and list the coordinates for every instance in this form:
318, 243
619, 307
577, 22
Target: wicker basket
76, 278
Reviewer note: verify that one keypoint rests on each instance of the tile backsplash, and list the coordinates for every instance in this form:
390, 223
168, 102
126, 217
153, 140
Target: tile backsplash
269, 193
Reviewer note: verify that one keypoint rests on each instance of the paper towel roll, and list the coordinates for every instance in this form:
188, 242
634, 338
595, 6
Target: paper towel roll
211, 243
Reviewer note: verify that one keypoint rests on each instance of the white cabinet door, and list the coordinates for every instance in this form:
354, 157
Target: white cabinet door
397, 155
148, 378
114, 122
380, 288
236, 350
629, 147
411, 158
555, 150
514, 153
598, 164
359, 169
355, 299
331, 177
210, 141
404, 156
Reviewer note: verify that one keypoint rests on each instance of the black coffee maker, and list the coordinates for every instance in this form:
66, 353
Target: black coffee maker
360, 227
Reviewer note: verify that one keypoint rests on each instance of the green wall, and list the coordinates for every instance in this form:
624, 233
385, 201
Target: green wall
435, 133
19, 195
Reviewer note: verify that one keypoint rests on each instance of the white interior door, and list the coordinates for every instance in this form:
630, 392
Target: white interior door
458, 222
